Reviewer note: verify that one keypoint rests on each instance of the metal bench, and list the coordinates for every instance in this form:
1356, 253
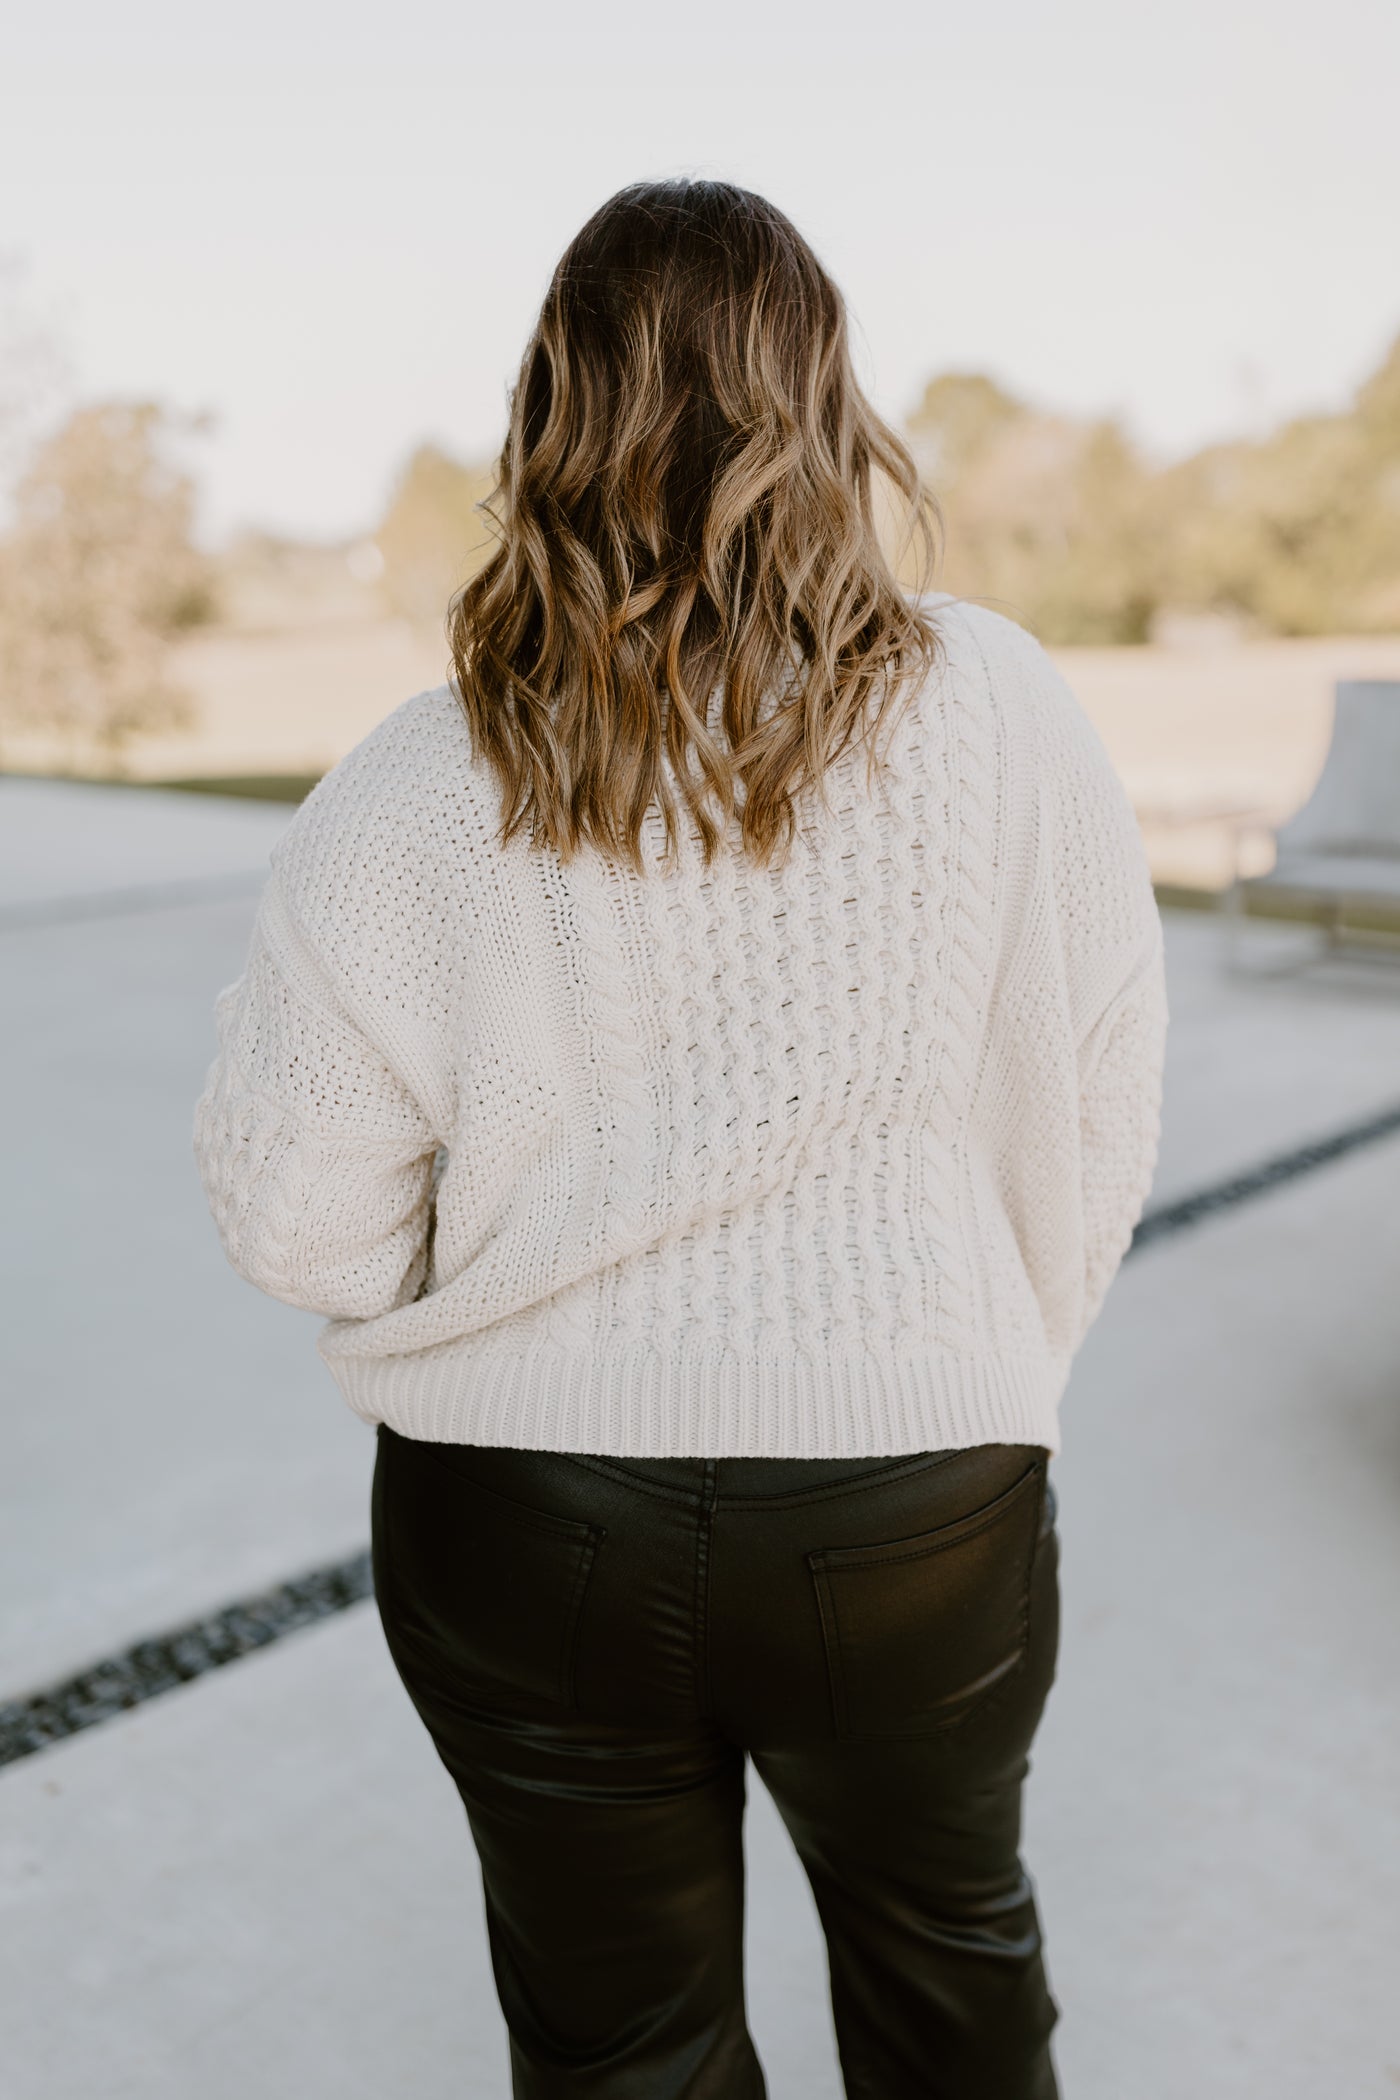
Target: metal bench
1338, 857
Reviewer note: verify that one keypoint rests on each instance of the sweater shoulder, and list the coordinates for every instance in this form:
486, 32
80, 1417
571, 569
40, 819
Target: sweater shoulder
1087, 837
1038, 712
386, 814
421, 744
1017, 673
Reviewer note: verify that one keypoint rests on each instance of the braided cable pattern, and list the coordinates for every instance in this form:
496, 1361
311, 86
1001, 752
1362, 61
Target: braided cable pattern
969, 909
804, 1103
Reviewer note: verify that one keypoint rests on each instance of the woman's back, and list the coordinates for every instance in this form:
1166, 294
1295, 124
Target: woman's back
828, 1157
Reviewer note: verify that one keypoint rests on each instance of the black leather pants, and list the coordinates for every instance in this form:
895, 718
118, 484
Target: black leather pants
595, 1644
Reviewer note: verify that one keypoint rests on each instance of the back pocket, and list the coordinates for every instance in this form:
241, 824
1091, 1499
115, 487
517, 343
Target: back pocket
488, 1590
920, 1631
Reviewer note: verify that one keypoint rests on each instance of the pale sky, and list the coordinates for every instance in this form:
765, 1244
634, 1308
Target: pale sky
331, 225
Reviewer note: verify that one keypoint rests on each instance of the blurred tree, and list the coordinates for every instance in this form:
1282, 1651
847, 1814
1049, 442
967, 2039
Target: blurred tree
1267, 530
960, 415
98, 574
1046, 517
1375, 550
434, 535
1061, 523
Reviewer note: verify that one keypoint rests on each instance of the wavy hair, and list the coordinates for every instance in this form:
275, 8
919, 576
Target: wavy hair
685, 510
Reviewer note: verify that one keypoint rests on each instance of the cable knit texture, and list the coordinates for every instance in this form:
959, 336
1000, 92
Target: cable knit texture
835, 1159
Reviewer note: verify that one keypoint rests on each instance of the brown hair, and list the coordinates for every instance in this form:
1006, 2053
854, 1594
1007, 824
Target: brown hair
684, 505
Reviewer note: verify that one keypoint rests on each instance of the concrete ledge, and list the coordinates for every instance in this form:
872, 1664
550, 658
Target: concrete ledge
1295, 906
243, 787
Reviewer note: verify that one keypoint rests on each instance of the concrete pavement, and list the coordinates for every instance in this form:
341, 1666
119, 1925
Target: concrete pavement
259, 1884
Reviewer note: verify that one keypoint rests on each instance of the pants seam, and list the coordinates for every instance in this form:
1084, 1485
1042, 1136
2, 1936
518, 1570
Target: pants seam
704, 1538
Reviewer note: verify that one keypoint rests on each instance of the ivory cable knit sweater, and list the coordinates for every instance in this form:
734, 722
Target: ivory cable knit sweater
831, 1160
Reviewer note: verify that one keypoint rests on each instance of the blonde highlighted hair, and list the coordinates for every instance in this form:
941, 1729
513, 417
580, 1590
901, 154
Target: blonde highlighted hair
686, 507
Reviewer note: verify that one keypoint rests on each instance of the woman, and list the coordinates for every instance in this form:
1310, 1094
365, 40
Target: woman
709, 1153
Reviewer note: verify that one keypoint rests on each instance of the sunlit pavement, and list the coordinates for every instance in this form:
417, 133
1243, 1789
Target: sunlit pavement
259, 1885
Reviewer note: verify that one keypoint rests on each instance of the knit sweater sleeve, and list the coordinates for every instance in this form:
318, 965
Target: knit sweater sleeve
1120, 1102
1112, 948
315, 1157
1096, 914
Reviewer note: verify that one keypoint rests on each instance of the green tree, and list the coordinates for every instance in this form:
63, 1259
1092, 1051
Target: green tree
1061, 523
1046, 517
98, 574
434, 535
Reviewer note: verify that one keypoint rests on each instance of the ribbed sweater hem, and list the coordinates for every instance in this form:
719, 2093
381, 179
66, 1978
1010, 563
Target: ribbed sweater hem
707, 1405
